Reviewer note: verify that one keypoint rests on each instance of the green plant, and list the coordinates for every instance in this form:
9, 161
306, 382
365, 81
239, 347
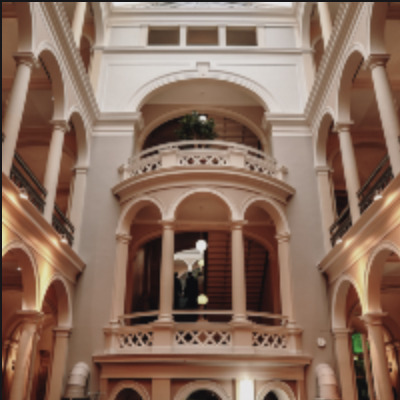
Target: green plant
196, 127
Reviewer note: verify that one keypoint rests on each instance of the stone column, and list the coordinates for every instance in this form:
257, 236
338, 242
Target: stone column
161, 389
286, 285
350, 168
380, 368
325, 20
60, 352
15, 109
367, 363
167, 273
182, 35
78, 201
239, 298
23, 362
120, 272
79, 21
222, 35
53, 166
326, 202
345, 363
387, 108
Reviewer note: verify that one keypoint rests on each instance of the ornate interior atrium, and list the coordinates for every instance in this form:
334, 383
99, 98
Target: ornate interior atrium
200, 201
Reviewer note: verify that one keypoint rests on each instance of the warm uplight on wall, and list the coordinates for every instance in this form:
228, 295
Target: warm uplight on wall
23, 194
246, 390
201, 245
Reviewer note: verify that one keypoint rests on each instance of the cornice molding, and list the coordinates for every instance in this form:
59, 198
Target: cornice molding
59, 26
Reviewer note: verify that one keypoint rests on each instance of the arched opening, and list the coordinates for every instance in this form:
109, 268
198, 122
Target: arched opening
204, 395
19, 291
128, 394
271, 396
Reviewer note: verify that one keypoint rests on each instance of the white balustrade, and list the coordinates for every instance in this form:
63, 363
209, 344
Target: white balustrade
204, 154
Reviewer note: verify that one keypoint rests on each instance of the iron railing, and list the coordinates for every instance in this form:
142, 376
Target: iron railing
341, 226
25, 179
376, 183
63, 225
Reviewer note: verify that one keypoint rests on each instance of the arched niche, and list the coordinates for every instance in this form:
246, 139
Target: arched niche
202, 386
276, 391
128, 390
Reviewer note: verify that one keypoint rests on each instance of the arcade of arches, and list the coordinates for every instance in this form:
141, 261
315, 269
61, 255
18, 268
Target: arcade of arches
261, 265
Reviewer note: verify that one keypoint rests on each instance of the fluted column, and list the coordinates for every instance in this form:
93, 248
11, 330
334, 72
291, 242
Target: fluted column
286, 284
326, 202
78, 201
167, 273
79, 21
53, 166
387, 108
325, 20
350, 168
239, 298
23, 363
61, 340
120, 273
345, 362
15, 109
380, 369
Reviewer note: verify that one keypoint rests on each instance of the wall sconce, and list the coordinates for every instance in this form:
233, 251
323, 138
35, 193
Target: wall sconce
23, 194
378, 196
64, 239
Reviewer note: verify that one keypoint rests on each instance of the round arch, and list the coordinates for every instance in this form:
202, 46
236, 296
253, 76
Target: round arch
377, 17
276, 212
261, 95
46, 52
324, 125
64, 300
155, 123
280, 389
193, 387
30, 274
374, 272
81, 129
137, 387
339, 299
353, 61
171, 214
25, 25
132, 208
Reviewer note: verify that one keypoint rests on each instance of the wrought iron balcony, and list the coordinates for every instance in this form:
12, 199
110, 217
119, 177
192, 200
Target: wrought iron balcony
63, 225
341, 226
375, 184
26, 181
207, 154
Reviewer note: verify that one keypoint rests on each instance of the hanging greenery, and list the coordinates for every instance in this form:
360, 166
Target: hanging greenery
196, 127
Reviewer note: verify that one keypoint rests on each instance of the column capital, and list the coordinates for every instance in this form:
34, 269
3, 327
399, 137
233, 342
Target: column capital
62, 332
168, 224
238, 225
31, 317
343, 126
283, 237
376, 60
374, 318
60, 125
323, 169
342, 332
123, 238
26, 58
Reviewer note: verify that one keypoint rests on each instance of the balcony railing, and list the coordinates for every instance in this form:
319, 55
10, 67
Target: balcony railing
375, 184
200, 335
207, 154
341, 226
26, 181
63, 225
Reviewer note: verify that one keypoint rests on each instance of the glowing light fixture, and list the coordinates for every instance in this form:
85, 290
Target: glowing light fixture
202, 300
23, 194
378, 196
201, 245
201, 263
64, 239
203, 119
339, 241
19, 269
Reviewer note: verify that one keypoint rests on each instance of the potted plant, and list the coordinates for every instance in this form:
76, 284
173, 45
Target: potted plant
196, 127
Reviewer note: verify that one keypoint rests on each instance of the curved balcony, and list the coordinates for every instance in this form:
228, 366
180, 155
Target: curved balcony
213, 158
